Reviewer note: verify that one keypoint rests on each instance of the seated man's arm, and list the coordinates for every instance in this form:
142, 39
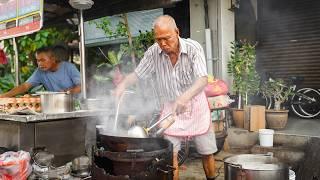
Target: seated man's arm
76, 79
17, 90
74, 90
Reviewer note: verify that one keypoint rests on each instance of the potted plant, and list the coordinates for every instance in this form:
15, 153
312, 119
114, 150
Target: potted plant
241, 67
276, 92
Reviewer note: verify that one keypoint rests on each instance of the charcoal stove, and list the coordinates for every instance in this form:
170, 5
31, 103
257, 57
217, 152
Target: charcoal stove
118, 157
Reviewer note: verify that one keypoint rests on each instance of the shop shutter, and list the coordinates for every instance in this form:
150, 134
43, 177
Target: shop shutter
289, 39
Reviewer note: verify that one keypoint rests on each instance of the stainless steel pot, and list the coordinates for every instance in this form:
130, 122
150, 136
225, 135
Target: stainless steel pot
56, 102
254, 167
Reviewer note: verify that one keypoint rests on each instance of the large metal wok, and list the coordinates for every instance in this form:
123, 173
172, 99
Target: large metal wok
132, 156
127, 144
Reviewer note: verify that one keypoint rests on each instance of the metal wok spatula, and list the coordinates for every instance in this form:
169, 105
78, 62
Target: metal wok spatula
140, 132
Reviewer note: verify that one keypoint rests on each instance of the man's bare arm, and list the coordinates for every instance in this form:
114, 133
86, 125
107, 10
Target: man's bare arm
17, 90
196, 88
129, 80
74, 90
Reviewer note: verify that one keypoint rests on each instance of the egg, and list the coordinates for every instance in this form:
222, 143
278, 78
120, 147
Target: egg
13, 100
19, 100
38, 100
26, 100
38, 109
32, 100
26, 96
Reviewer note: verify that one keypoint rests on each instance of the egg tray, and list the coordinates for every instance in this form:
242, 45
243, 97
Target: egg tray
8, 105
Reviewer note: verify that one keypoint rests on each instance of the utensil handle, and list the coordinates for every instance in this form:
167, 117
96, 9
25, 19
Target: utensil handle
162, 119
239, 166
162, 129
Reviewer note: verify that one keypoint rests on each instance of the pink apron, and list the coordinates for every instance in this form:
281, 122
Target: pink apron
194, 121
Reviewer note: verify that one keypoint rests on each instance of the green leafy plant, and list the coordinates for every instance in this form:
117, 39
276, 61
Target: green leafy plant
241, 67
133, 48
277, 91
142, 42
112, 60
7, 82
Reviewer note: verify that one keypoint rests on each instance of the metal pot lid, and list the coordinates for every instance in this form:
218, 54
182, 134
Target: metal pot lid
255, 162
262, 166
49, 92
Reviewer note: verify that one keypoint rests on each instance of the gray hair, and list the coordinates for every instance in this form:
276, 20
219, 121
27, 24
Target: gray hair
165, 20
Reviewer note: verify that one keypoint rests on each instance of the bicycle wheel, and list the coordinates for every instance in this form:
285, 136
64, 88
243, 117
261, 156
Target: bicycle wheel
295, 101
305, 103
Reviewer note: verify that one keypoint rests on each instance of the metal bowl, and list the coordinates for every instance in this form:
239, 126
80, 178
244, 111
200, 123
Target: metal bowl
43, 158
80, 164
137, 132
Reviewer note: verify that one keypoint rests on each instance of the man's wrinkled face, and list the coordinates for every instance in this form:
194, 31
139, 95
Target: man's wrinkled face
167, 38
45, 61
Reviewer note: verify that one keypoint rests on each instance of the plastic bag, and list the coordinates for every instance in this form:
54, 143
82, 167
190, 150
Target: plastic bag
215, 87
219, 101
15, 165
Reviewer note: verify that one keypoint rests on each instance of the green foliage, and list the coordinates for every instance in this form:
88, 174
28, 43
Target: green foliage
105, 25
112, 60
121, 30
142, 42
115, 57
242, 68
7, 83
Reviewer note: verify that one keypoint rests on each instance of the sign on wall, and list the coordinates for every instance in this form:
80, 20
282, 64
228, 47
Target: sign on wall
20, 17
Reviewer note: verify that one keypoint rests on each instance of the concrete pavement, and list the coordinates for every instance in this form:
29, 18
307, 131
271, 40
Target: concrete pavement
192, 168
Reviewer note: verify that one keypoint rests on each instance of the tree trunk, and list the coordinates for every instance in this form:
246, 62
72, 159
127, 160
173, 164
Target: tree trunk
133, 57
277, 105
239, 101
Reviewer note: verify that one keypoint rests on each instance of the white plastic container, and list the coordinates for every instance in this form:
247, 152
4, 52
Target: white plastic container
292, 175
266, 137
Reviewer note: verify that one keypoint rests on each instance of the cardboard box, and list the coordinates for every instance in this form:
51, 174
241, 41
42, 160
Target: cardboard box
254, 118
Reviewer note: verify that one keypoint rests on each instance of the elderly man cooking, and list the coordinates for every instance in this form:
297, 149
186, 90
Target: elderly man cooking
53, 73
178, 67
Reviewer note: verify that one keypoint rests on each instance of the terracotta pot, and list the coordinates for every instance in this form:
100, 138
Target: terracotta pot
238, 117
276, 119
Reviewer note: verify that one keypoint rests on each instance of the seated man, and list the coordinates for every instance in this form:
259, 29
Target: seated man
54, 74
